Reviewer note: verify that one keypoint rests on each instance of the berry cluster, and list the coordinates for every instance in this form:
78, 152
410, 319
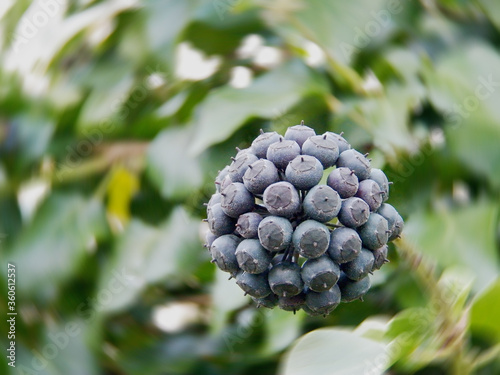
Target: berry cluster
291, 242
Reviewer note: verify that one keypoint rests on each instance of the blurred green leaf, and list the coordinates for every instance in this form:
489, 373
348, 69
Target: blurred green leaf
464, 86
42, 46
333, 351
342, 27
463, 236
485, 312
455, 284
386, 118
170, 167
491, 10
282, 329
166, 21
145, 255
226, 297
49, 251
70, 339
408, 331
226, 109
33, 136
111, 85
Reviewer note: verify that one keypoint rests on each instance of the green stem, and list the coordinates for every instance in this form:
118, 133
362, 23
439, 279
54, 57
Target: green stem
451, 330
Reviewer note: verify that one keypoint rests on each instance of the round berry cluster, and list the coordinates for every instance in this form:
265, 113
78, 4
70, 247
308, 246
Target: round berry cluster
290, 241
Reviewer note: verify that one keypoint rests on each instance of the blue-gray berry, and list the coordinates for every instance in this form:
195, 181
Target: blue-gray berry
236, 200
342, 144
320, 274
256, 285
394, 220
218, 222
220, 178
260, 175
285, 279
322, 148
248, 224
269, 302
371, 193
375, 232
252, 257
343, 181
304, 172
262, 142
282, 199
292, 303
322, 203
355, 161
311, 239
380, 257
223, 251
380, 178
360, 266
323, 303
354, 212
240, 165
345, 245
299, 133
283, 152
352, 290
275, 233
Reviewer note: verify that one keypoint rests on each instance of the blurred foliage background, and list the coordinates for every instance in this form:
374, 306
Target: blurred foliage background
115, 117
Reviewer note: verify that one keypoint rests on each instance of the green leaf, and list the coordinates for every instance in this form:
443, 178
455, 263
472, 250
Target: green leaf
34, 135
39, 49
409, 329
282, 329
74, 355
51, 248
226, 297
463, 86
463, 236
333, 351
456, 283
111, 82
226, 109
485, 311
166, 20
340, 28
340, 25
146, 255
491, 10
386, 118
169, 166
